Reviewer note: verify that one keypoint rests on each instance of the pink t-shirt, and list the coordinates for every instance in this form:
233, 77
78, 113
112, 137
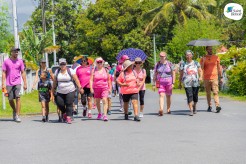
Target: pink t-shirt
13, 70
130, 79
140, 75
84, 74
100, 79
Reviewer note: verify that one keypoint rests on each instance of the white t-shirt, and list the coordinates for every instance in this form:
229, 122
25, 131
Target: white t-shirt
65, 84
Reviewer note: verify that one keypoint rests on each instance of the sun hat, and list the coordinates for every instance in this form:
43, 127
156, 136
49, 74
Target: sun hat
163, 53
127, 64
62, 60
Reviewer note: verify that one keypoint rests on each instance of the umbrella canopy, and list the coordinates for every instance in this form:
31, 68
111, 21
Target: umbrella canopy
132, 53
203, 42
79, 58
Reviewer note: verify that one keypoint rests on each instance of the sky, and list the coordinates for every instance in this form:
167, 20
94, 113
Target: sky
24, 11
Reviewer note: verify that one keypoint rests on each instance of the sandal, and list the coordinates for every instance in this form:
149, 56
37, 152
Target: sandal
160, 112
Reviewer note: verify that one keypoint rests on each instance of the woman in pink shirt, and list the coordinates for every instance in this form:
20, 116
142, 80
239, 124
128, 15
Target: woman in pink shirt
129, 87
100, 85
141, 75
84, 73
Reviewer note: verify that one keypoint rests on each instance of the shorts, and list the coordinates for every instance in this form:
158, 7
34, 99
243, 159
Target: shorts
167, 89
43, 98
127, 97
100, 93
13, 91
87, 92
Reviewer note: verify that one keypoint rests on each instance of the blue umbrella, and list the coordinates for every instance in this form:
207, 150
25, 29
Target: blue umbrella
132, 53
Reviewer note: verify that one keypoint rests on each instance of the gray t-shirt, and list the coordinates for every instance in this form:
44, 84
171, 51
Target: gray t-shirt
65, 84
190, 75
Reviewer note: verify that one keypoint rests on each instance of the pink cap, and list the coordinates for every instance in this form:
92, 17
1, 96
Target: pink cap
123, 58
119, 68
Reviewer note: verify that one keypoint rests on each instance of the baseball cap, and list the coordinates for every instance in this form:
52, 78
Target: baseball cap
43, 61
62, 60
14, 49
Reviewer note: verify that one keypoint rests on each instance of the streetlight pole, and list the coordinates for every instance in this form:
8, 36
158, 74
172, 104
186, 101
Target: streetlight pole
15, 27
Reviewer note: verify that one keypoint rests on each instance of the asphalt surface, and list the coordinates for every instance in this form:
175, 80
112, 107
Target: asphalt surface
207, 137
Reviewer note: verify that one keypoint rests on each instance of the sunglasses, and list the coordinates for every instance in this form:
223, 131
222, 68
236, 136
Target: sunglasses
62, 64
138, 62
83, 61
99, 62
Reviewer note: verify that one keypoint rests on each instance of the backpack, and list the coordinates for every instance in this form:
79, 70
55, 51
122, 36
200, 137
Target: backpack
69, 73
133, 73
48, 73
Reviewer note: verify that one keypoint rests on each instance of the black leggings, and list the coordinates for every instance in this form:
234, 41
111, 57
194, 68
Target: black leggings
192, 94
65, 102
141, 96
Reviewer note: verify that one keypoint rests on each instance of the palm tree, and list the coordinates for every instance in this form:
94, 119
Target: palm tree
180, 11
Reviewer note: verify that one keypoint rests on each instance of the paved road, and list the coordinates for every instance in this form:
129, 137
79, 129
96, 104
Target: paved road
177, 138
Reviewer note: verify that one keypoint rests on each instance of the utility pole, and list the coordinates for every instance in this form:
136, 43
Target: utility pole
44, 28
53, 29
154, 48
15, 27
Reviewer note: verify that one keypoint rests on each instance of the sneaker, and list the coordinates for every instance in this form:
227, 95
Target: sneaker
191, 113
160, 113
121, 109
141, 114
194, 110
14, 115
17, 118
84, 111
47, 118
64, 117
59, 119
218, 109
69, 121
43, 119
209, 109
99, 116
126, 116
109, 112
75, 112
136, 118
105, 118
89, 115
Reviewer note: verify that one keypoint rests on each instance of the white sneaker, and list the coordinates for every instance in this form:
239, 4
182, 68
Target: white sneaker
17, 118
141, 115
121, 109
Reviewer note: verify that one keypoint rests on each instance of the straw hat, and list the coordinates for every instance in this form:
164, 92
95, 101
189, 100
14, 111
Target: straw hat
126, 64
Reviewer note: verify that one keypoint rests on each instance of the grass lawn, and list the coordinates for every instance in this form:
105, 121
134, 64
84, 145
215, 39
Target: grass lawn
221, 94
29, 105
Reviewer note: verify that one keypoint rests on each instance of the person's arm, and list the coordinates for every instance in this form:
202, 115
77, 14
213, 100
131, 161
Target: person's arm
23, 74
109, 83
91, 82
75, 78
51, 75
120, 80
3, 80
200, 73
35, 80
173, 76
144, 78
54, 84
181, 74
219, 70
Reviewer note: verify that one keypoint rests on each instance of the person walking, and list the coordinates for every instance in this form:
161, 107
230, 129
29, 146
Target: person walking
210, 64
42, 67
164, 79
129, 88
141, 76
84, 73
190, 75
13, 70
100, 85
107, 67
65, 89
45, 95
